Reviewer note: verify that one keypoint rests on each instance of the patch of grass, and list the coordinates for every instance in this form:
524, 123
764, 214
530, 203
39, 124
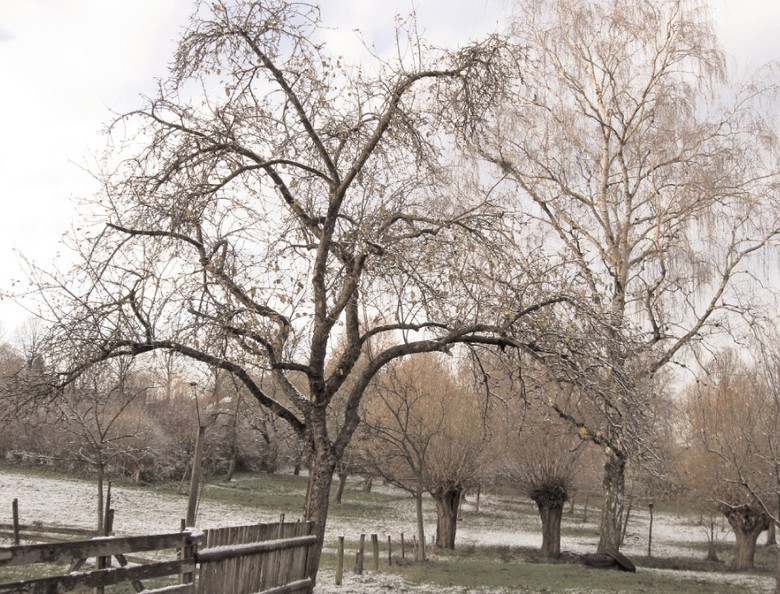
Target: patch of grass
586, 530
488, 568
681, 563
282, 493
43, 471
374, 506
765, 558
523, 570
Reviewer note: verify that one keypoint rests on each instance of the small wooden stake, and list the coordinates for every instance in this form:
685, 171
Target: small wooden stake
360, 555
340, 562
15, 512
375, 551
389, 550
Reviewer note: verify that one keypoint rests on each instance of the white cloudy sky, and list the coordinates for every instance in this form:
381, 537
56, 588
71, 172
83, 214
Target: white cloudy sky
66, 63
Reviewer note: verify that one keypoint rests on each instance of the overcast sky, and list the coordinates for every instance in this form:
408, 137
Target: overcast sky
65, 64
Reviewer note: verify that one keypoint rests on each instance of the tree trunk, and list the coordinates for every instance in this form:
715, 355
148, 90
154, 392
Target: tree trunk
271, 461
625, 522
192, 501
771, 534
368, 485
419, 552
447, 501
317, 500
233, 441
231, 468
777, 573
611, 527
340, 487
551, 529
712, 552
747, 523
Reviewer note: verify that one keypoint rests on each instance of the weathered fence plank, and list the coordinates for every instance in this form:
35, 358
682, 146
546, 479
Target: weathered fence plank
242, 550
42, 529
100, 547
299, 585
177, 589
95, 579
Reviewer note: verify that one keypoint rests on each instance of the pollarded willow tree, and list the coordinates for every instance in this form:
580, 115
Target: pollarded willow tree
425, 430
657, 191
270, 197
732, 423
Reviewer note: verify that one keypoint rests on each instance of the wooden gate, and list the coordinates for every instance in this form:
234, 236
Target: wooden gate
258, 559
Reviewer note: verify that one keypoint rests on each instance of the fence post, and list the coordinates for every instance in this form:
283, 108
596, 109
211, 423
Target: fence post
187, 555
389, 550
108, 528
360, 555
108, 525
15, 513
340, 562
375, 550
403, 547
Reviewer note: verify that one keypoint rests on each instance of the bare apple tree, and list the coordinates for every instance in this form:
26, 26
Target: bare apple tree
271, 195
654, 189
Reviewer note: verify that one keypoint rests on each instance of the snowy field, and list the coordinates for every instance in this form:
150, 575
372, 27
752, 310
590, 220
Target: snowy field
140, 511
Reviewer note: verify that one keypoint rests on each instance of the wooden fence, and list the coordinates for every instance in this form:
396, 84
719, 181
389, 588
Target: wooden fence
262, 558
259, 559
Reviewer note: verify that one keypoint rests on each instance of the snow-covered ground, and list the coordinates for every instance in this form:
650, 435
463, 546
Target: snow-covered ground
140, 511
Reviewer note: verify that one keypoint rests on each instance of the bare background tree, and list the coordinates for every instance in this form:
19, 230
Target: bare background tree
733, 466
423, 433
101, 417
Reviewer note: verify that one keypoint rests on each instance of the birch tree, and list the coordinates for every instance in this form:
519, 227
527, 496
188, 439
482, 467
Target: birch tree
656, 191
